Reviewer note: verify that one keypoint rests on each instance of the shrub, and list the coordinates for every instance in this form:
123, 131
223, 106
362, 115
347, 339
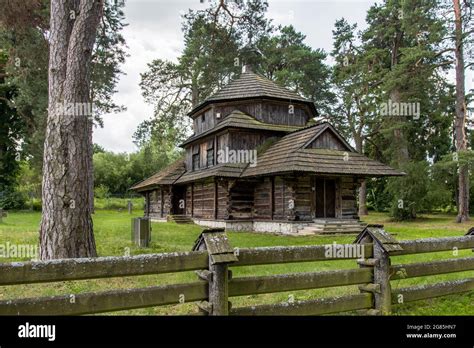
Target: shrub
409, 192
12, 200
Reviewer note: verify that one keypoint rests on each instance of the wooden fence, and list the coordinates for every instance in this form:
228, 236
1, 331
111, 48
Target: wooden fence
212, 257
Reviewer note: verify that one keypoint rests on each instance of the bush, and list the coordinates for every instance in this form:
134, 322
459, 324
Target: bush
409, 192
12, 200
378, 198
101, 191
35, 204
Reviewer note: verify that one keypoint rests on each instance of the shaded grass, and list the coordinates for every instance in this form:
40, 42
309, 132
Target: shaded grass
112, 232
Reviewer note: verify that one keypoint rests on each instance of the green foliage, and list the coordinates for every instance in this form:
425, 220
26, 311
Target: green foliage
378, 198
101, 191
409, 193
120, 204
115, 173
286, 59
24, 35
12, 200
12, 129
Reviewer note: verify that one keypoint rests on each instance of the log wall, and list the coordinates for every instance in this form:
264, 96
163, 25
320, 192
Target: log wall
203, 202
274, 112
348, 195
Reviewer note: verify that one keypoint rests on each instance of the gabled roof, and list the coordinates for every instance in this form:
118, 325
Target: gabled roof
325, 126
290, 154
252, 85
166, 176
239, 119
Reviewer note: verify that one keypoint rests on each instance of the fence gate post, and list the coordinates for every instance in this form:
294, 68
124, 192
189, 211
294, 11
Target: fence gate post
383, 244
221, 254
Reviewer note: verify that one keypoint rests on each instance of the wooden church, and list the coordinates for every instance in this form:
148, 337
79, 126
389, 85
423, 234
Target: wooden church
257, 162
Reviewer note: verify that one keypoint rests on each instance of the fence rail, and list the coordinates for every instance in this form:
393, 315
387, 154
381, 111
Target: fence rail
100, 267
212, 259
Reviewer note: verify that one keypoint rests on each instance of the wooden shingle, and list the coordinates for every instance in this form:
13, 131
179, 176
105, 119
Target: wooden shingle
216, 242
376, 234
166, 176
252, 85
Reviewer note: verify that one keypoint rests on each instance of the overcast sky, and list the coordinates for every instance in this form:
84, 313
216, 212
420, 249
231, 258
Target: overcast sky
154, 31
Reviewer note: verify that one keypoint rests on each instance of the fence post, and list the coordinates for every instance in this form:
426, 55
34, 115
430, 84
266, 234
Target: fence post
383, 298
383, 244
221, 254
219, 289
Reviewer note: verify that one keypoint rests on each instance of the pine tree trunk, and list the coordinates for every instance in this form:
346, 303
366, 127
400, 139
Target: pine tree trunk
460, 121
363, 184
400, 142
66, 224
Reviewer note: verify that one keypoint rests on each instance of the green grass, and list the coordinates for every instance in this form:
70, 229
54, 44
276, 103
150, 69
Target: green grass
112, 232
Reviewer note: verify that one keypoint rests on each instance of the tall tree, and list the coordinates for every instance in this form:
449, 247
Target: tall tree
405, 38
356, 79
66, 225
461, 112
24, 31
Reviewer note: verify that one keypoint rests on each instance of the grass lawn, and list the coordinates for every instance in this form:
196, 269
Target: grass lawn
112, 232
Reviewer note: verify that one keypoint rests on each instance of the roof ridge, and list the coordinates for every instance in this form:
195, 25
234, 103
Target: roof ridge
308, 127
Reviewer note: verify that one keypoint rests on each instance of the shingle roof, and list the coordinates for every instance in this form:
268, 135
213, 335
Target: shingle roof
238, 119
166, 176
290, 155
252, 85
229, 170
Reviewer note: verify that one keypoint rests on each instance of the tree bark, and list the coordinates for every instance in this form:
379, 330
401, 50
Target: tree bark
460, 120
363, 184
66, 225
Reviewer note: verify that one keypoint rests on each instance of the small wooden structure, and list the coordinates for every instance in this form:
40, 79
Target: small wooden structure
257, 157
383, 245
221, 254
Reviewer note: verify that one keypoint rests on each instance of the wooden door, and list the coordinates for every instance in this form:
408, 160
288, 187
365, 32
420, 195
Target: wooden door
319, 193
325, 192
179, 199
330, 204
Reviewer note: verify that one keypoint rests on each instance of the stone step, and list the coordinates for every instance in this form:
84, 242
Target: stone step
332, 226
336, 222
180, 219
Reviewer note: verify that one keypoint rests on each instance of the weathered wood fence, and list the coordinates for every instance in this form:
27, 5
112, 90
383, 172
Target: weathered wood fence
212, 257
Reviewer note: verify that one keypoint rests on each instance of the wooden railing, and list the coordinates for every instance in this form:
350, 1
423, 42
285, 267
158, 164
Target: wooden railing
215, 284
